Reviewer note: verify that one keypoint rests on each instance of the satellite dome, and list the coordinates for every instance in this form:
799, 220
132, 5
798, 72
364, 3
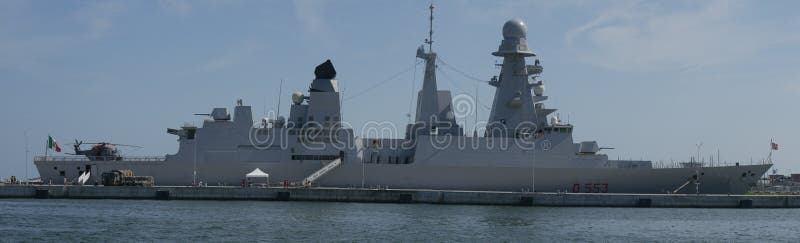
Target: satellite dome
538, 90
514, 28
298, 98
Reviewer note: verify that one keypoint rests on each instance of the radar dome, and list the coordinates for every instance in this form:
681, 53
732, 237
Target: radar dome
297, 98
514, 29
538, 90
554, 120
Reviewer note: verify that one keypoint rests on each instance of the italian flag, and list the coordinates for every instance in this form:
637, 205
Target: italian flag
52, 144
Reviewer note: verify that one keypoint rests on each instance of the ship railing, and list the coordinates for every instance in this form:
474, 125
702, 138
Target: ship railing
676, 164
100, 158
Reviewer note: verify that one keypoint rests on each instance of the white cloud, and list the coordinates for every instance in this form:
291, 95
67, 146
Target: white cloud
27, 52
310, 14
644, 36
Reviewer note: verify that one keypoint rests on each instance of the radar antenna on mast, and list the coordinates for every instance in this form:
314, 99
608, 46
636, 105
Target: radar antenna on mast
429, 41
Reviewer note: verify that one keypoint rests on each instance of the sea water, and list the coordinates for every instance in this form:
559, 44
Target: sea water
57, 220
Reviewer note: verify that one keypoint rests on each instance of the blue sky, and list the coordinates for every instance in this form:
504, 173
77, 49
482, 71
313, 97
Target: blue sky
650, 78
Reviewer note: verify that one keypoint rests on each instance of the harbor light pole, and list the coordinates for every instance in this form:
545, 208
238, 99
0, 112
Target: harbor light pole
363, 173
194, 162
27, 152
533, 169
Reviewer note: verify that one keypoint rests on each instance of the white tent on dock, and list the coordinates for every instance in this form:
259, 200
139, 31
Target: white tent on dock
257, 173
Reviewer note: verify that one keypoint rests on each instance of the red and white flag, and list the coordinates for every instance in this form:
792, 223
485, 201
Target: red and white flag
774, 146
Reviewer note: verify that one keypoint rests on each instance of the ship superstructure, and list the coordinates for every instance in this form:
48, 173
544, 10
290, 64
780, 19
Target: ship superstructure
525, 146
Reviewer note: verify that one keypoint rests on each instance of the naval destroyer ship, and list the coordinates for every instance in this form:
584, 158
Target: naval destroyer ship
525, 147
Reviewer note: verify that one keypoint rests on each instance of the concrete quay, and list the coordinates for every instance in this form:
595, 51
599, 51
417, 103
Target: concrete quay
405, 196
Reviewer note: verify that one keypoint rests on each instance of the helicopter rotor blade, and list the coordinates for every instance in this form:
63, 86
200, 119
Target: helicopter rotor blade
117, 144
125, 145
78, 143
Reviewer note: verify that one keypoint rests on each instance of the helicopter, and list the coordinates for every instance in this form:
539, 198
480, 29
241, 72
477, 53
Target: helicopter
101, 151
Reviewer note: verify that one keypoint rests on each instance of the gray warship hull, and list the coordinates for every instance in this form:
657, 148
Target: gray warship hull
716, 180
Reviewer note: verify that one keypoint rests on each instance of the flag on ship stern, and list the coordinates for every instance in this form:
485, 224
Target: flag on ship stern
52, 144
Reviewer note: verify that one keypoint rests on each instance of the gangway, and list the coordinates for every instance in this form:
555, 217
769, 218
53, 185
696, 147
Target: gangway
682, 186
322, 171
695, 179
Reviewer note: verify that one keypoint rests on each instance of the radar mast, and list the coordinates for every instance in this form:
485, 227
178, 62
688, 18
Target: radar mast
434, 114
429, 41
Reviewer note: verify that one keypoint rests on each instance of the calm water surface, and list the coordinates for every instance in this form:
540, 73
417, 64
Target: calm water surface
144, 220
